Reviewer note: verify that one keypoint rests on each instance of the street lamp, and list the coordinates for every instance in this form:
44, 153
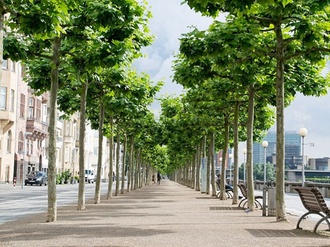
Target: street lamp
265, 145
244, 152
303, 133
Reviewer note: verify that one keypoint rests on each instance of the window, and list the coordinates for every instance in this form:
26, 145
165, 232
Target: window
31, 102
31, 113
3, 98
31, 149
13, 66
27, 146
20, 142
44, 112
22, 106
9, 142
5, 64
68, 128
22, 71
12, 100
38, 110
67, 153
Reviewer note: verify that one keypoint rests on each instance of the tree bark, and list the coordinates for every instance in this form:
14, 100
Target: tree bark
130, 162
52, 199
82, 129
193, 172
223, 194
236, 140
123, 165
280, 148
198, 167
97, 196
110, 175
249, 145
211, 155
117, 161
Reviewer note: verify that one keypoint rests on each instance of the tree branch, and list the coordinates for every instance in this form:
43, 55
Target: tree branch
301, 53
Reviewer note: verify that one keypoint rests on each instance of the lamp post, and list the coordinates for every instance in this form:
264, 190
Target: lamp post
265, 145
303, 133
244, 153
230, 157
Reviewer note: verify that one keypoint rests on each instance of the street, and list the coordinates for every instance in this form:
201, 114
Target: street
17, 202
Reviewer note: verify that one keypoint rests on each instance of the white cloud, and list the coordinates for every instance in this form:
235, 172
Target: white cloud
311, 113
171, 20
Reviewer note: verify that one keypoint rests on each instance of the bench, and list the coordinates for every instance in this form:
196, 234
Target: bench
228, 190
313, 201
244, 199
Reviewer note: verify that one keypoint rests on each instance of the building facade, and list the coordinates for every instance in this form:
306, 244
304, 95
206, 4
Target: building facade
24, 132
293, 157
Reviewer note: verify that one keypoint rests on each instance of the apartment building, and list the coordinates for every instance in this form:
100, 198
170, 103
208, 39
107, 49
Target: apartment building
24, 132
22, 127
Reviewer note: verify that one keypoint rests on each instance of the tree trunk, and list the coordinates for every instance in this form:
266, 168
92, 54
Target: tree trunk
249, 157
193, 172
130, 162
133, 169
52, 200
280, 166
97, 197
123, 165
110, 175
198, 167
82, 128
223, 194
138, 170
236, 140
211, 155
117, 161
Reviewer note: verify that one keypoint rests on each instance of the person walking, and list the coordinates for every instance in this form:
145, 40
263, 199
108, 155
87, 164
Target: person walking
158, 177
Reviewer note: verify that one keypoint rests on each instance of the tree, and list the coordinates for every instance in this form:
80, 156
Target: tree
126, 32
300, 31
29, 21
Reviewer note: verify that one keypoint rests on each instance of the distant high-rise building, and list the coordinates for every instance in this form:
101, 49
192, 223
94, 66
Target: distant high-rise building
292, 149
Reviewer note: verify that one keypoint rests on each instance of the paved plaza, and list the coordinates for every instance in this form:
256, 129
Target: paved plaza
162, 215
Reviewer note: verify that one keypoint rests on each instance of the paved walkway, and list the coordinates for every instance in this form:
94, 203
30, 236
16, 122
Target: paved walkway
168, 214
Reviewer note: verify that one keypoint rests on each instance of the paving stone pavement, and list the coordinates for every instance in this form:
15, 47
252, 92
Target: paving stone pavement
162, 215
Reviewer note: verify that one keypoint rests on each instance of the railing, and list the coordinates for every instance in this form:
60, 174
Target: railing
324, 188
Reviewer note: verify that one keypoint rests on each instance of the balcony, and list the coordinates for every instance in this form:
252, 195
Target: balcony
38, 129
7, 119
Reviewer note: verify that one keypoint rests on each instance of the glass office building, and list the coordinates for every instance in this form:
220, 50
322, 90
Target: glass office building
292, 149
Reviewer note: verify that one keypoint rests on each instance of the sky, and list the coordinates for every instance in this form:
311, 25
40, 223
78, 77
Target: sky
171, 20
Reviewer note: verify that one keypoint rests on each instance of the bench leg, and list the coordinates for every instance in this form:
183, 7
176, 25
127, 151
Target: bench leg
241, 203
325, 218
257, 203
303, 217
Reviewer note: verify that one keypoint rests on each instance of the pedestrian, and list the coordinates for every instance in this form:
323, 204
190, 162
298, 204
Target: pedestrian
159, 177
